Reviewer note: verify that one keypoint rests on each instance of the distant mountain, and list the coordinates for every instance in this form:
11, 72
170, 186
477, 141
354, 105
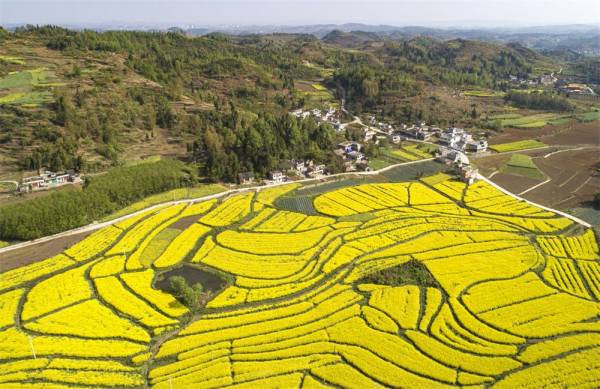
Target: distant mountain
582, 39
350, 39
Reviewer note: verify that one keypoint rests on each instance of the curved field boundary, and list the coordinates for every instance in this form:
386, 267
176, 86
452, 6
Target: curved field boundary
96, 226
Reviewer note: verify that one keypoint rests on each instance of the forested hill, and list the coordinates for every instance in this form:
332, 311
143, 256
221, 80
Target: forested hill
88, 100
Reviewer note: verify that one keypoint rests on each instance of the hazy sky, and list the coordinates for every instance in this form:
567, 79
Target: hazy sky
279, 12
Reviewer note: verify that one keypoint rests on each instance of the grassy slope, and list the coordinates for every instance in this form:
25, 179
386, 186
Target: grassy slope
522, 165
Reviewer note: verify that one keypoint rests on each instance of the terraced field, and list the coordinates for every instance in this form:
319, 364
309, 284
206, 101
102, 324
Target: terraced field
514, 302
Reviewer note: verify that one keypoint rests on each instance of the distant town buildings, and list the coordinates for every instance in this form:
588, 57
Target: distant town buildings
330, 116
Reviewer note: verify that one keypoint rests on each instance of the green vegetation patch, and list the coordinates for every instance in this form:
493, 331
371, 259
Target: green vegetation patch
158, 245
421, 151
403, 154
302, 204
12, 60
529, 121
483, 93
414, 171
23, 79
380, 163
519, 145
522, 165
27, 98
101, 195
319, 87
301, 200
410, 273
506, 116
560, 121
361, 217
589, 116
6, 187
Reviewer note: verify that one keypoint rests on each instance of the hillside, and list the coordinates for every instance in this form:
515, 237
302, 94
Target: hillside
89, 100
353, 39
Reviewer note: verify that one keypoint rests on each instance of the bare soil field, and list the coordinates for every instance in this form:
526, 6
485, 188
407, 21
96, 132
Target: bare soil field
582, 133
579, 133
573, 176
184, 222
515, 184
493, 162
25, 256
572, 172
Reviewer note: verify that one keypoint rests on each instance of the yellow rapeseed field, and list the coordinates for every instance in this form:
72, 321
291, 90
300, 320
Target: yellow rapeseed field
512, 299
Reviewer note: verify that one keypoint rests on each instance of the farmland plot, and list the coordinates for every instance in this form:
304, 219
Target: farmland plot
514, 302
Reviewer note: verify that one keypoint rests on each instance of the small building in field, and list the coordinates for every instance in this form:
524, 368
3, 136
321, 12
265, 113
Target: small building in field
277, 177
316, 171
468, 174
356, 156
300, 167
477, 146
349, 146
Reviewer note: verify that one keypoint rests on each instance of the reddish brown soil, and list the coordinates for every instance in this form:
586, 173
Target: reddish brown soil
579, 133
25, 256
582, 133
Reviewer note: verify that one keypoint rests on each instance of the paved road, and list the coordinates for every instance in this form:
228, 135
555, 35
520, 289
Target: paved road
96, 226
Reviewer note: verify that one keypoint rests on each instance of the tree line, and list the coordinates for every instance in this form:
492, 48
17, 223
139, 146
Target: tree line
229, 144
534, 100
101, 195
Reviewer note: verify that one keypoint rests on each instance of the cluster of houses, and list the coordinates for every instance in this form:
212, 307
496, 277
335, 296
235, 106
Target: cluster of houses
521, 81
330, 116
295, 167
562, 85
420, 131
459, 139
544, 79
452, 137
351, 153
48, 180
